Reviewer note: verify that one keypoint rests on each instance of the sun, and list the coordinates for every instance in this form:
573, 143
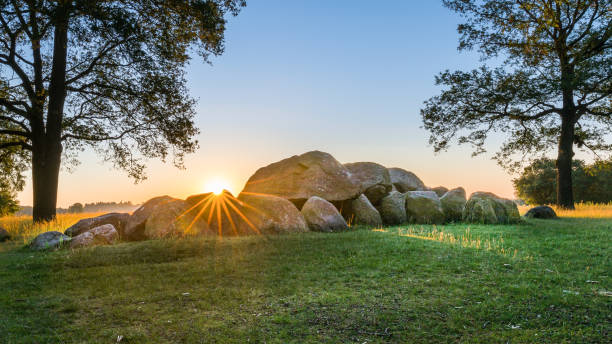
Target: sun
216, 186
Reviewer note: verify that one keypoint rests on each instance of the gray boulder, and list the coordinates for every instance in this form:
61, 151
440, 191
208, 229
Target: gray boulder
541, 212
405, 181
392, 208
362, 212
102, 235
135, 227
118, 220
453, 203
50, 240
301, 177
424, 207
322, 216
4, 235
373, 179
478, 209
439, 190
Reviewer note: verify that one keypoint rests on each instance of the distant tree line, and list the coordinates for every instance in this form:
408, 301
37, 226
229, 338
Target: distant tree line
591, 183
97, 207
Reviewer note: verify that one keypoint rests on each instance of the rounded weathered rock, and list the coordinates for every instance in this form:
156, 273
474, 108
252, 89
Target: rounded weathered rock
376, 193
453, 203
50, 240
82, 240
373, 179
170, 219
199, 199
265, 214
423, 207
392, 208
322, 216
541, 212
477, 210
101, 235
440, 190
364, 213
300, 177
134, 230
118, 220
405, 181
4, 235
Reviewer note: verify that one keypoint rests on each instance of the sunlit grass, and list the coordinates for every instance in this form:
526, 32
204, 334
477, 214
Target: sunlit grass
583, 210
23, 229
465, 239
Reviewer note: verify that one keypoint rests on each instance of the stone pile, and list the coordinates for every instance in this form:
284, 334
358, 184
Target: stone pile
308, 192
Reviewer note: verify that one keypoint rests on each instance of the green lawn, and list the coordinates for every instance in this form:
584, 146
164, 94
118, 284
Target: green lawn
543, 281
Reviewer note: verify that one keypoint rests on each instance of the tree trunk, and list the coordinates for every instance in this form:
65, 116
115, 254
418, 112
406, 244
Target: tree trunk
45, 177
47, 140
565, 193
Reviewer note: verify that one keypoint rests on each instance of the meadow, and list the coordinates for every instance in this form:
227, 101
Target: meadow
543, 281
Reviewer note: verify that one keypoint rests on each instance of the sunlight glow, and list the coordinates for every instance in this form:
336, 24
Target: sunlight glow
216, 186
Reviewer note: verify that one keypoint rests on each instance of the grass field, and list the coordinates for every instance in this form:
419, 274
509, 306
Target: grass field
542, 281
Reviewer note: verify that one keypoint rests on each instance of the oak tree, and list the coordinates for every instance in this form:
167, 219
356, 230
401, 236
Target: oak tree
553, 89
102, 74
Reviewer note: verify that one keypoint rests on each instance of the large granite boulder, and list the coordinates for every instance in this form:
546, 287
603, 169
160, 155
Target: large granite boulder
423, 207
303, 176
102, 235
439, 190
50, 240
135, 227
405, 181
322, 216
265, 214
4, 235
200, 199
392, 208
173, 218
478, 209
360, 211
118, 220
453, 203
373, 179
541, 212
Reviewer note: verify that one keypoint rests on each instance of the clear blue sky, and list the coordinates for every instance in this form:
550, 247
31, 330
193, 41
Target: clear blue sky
346, 77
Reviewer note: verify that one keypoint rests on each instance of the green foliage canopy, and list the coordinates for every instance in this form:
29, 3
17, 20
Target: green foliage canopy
592, 183
554, 88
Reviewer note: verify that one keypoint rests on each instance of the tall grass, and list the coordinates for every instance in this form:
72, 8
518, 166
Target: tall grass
22, 228
583, 210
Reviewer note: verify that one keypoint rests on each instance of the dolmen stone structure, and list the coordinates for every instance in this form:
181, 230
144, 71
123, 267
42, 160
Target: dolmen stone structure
308, 192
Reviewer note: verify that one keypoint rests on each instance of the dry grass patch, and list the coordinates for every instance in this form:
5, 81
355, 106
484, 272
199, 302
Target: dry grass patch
23, 229
583, 210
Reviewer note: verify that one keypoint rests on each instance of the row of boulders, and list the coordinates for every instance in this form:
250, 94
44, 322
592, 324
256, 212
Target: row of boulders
312, 191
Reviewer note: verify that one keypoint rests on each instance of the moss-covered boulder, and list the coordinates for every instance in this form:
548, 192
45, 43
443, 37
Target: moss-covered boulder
364, 213
392, 208
478, 209
423, 207
453, 203
439, 190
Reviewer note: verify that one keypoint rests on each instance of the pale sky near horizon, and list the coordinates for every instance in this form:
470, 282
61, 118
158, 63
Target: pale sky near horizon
344, 77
